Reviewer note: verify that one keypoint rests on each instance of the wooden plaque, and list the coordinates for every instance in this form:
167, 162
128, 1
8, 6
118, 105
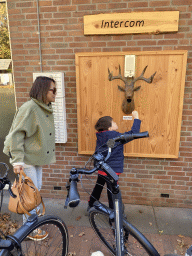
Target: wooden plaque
159, 104
131, 23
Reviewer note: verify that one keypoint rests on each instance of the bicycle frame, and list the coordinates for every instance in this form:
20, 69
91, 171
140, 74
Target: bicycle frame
118, 223
118, 216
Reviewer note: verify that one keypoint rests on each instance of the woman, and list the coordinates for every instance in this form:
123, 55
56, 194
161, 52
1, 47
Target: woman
31, 140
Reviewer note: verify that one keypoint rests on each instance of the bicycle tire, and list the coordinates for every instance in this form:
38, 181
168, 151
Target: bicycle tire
135, 243
55, 244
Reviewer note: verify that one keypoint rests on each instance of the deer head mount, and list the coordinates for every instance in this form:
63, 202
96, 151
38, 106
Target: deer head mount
128, 104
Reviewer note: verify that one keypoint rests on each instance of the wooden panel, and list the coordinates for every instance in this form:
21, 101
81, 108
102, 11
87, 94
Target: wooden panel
159, 104
131, 23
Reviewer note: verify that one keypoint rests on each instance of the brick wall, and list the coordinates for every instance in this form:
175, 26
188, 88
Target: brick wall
61, 26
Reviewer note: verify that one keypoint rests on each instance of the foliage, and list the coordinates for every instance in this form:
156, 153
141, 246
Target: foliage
4, 34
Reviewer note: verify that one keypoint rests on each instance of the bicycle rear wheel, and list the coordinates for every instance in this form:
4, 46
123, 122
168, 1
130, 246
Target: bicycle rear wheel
55, 244
134, 242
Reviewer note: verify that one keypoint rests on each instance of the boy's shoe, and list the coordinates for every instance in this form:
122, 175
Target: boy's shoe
38, 235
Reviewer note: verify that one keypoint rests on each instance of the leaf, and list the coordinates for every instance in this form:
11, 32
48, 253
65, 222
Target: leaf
181, 236
81, 234
160, 232
78, 218
7, 226
150, 223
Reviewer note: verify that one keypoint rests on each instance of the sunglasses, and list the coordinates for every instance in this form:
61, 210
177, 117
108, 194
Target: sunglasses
54, 90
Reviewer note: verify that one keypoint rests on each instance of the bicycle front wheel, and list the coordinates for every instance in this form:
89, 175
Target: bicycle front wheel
134, 242
52, 241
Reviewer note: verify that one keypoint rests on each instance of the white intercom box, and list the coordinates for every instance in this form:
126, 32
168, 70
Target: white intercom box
59, 109
129, 66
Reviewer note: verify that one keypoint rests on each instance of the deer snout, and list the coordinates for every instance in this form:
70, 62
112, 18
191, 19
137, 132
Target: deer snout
129, 100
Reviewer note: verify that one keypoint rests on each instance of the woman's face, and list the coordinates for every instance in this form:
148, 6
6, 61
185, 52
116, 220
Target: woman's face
51, 93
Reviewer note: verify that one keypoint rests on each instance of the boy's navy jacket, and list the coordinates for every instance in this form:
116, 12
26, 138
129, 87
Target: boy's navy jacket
116, 160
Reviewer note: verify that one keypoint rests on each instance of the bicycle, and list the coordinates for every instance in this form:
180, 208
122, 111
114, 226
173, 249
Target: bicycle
56, 243
113, 229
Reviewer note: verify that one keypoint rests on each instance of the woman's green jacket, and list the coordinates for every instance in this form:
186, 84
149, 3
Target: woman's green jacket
31, 139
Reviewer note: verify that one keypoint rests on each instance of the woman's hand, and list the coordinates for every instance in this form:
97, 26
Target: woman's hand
17, 169
135, 114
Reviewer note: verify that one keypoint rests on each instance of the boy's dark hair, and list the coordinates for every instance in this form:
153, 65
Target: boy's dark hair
40, 88
103, 123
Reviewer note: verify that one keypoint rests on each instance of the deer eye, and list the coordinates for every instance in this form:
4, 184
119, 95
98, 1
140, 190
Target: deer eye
128, 100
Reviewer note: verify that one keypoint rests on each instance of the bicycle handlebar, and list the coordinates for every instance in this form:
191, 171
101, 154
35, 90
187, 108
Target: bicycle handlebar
5, 181
73, 197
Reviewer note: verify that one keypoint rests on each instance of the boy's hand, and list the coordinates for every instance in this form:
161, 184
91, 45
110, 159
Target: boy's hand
135, 114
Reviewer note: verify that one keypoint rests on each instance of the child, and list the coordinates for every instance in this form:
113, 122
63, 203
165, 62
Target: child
107, 129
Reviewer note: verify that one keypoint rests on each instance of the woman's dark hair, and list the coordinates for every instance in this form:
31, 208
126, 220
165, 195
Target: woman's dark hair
40, 88
103, 123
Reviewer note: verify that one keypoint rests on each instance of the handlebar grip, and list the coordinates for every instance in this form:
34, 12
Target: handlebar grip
136, 136
132, 136
74, 197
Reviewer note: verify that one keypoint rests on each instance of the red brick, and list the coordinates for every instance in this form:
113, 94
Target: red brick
58, 21
167, 42
18, 17
46, 3
137, 4
54, 27
112, 6
51, 9
14, 11
73, 27
67, 8
102, 6
29, 10
86, 7
159, 3
183, 2
139, 43
25, 4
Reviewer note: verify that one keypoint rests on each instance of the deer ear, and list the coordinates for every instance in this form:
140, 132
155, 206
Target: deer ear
121, 89
136, 88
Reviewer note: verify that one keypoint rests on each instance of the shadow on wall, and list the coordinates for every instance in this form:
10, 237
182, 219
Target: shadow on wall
7, 111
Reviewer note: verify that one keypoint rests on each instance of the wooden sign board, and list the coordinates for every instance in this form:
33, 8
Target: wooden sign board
131, 23
159, 104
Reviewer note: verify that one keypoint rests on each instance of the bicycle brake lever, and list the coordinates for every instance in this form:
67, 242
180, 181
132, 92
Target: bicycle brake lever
1, 186
66, 203
67, 198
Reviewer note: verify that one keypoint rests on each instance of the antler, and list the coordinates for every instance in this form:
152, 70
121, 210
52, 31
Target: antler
148, 80
111, 77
